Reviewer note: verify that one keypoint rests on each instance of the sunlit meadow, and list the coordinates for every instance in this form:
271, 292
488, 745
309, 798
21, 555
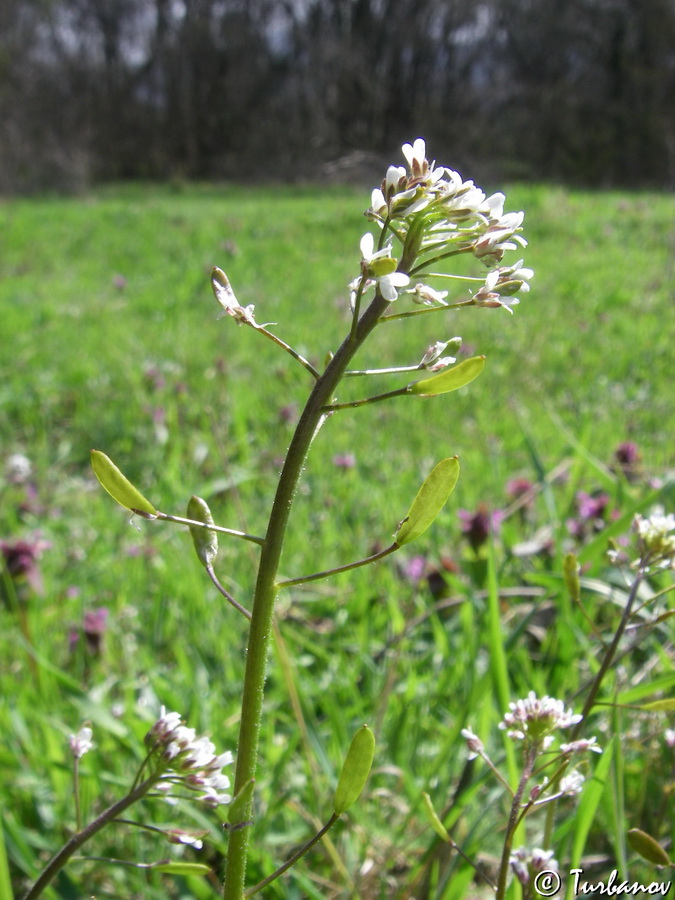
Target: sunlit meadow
111, 339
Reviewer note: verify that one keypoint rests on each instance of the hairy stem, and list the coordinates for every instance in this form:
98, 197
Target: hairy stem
266, 587
513, 821
58, 861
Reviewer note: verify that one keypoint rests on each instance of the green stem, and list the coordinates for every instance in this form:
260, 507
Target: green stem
287, 347
226, 594
296, 856
514, 816
165, 517
289, 582
266, 587
57, 862
333, 407
609, 656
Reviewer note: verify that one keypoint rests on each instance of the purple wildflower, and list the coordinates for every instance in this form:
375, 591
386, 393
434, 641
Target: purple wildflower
477, 526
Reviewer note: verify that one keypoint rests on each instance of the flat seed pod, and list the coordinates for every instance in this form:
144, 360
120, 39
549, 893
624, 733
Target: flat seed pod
119, 487
205, 540
430, 500
449, 379
648, 847
355, 770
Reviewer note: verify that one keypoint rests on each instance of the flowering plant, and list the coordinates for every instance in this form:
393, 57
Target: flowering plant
424, 215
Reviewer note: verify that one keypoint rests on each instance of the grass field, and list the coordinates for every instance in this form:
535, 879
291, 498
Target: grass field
110, 339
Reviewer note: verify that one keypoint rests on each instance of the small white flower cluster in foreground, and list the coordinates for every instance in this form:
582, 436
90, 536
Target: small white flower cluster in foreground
534, 719
434, 214
180, 757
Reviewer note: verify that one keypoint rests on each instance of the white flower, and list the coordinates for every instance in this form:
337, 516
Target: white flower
527, 863
389, 284
368, 252
191, 838
222, 289
380, 267
415, 154
81, 742
533, 719
581, 746
473, 742
18, 468
572, 784
427, 296
433, 360
183, 758
657, 542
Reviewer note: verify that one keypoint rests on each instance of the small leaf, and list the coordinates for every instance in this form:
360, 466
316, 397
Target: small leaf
436, 823
119, 487
571, 569
648, 847
355, 770
180, 868
239, 805
449, 379
205, 540
430, 500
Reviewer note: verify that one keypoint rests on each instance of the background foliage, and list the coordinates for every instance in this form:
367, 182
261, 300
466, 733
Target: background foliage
101, 89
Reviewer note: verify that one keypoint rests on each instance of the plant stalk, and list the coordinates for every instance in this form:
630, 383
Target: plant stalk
266, 587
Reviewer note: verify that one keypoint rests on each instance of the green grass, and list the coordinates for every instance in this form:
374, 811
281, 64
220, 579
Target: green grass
111, 340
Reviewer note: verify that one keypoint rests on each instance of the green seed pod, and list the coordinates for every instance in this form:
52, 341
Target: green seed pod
571, 569
648, 847
436, 823
119, 487
449, 379
430, 500
355, 770
205, 540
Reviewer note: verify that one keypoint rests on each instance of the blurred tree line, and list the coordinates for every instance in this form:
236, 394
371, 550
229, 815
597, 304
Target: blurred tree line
575, 90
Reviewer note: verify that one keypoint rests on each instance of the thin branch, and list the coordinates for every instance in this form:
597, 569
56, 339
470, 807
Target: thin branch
427, 309
230, 599
296, 856
165, 517
332, 407
394, 370
287, 347
354, 565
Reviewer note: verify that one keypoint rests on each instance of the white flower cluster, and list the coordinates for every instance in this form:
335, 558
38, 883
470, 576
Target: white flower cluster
185, 759
534, 719
81, 742
433, 213
526, 863
656, 538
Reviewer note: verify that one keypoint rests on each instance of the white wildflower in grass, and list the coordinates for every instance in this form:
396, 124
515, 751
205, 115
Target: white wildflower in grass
81, 742
434, 214
656, 539
581, 746
189, 838
571, 783
379, 267
526, 863
473, 743
180, 758
433, 358
427, 296
533, 720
